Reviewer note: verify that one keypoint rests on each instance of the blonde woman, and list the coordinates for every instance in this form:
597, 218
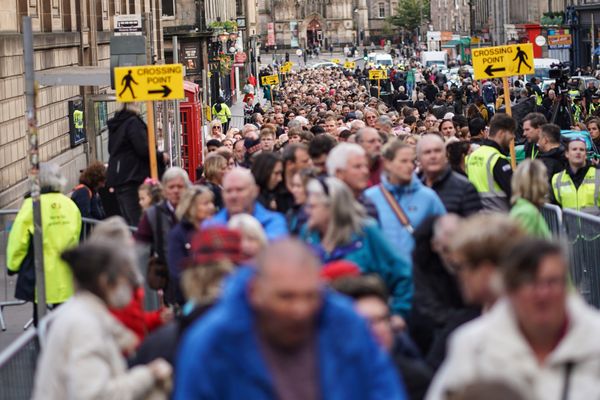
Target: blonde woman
215, 130
254, 238
529, 193
195, 207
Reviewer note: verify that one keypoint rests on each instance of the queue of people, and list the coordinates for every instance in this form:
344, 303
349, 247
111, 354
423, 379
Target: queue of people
332, 248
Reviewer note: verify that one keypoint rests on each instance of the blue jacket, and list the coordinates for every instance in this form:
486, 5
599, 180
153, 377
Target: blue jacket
273, 222
219, 357
373, 253
418, 203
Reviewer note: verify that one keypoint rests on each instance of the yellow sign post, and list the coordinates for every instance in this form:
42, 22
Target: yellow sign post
377, 74
286, 68
149, 83
291, 64
503, 61
335, 60
269, 80
349, 65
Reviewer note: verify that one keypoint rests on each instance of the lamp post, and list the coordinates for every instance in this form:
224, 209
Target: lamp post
357, 28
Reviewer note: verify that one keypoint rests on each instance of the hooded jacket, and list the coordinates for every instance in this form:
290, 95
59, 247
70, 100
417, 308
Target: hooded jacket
457, 193
219, 357
493, 348
416, 200
128, 149
554, 160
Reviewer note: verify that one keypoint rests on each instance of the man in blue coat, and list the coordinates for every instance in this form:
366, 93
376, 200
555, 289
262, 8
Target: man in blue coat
278, 334
239, 195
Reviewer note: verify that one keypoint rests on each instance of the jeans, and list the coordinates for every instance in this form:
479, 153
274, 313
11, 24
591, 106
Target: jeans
127, 196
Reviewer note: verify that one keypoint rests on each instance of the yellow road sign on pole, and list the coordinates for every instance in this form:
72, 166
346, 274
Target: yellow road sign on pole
349, 65
270, 80
291, 64
378, 74
335, 60
149, 83
501, 61
285, 68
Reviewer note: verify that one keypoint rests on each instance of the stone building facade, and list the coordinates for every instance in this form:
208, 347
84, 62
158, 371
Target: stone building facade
304, 23
67, 33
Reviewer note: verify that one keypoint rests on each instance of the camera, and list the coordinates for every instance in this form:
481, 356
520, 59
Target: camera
560, 73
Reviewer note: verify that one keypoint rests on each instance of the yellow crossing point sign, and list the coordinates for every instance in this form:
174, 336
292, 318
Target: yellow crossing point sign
503, 61
335, 60
149, 83
285, 68
349, 65
270, 80
378, 74
291, 64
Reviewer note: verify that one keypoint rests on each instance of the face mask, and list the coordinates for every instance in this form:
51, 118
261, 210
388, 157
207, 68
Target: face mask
120, 296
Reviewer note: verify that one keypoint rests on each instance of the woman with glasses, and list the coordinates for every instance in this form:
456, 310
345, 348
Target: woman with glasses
338, 229
216, 130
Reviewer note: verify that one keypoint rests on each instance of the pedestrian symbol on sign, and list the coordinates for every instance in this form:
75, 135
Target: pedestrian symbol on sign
127, 80
522, 56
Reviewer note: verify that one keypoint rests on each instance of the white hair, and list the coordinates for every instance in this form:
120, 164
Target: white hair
174, 173
338, 157
51, 177
248, 226
428, 137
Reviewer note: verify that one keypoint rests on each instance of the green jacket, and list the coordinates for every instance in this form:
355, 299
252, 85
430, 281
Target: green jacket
224, 115
530, 218
61, 225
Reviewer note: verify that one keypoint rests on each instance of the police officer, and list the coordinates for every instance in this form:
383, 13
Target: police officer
488, 167
594, 105
577, 110
578, 186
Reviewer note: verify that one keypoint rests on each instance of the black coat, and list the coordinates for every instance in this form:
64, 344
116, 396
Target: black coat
128, 149
554, 160
457, 193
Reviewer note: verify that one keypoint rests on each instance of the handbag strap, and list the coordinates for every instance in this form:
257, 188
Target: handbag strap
397, 209
567, 381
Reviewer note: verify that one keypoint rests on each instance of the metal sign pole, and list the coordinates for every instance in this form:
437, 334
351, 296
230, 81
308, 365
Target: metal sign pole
34, 179
177, 127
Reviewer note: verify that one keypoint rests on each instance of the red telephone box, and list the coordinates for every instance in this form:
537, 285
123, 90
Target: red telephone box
191, 130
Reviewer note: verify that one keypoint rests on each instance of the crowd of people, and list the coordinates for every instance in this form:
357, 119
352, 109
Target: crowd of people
335, 247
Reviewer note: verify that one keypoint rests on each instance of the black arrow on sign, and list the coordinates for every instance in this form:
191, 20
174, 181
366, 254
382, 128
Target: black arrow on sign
490, 70
165, 91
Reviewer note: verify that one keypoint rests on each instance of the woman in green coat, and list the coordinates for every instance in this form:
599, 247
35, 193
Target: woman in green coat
529, 192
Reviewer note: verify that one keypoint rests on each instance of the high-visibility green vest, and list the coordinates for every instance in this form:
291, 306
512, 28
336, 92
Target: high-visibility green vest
583, 199
480, 170
538, 99
577, 113
593, 108
573, 93
61, 224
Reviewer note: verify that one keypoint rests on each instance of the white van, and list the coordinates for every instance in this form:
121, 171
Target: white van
383, 60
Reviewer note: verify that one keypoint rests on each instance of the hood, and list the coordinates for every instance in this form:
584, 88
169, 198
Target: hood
119, 118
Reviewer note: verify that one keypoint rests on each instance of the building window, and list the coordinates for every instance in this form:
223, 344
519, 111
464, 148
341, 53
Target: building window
381, 10
168, 8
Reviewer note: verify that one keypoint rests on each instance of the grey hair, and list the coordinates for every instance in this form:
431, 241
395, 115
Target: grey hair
51, 177
174, 173
359, 115
339, 155
424, 138
294, 124
361, 132
357, 124
348, 216
385, 120
247, 225
247, 128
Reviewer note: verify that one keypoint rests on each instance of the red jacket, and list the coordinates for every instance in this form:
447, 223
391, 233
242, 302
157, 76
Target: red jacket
135, 318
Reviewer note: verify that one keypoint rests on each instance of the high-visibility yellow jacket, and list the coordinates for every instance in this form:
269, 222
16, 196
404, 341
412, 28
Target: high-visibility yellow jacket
480, 171
61, 225
584, 198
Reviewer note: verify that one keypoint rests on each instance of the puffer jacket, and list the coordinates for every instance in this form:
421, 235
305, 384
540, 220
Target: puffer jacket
457, 193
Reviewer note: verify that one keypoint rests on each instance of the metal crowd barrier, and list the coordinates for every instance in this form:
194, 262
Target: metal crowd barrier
583, 236
553, 216
17, 366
